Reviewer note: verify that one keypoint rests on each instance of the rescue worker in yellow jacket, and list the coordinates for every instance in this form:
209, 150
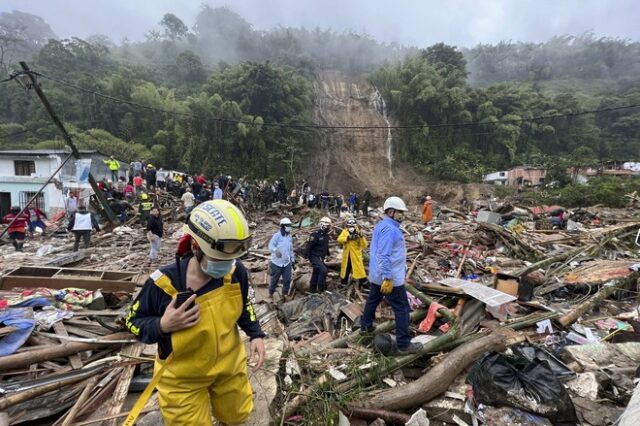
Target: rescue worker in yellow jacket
192, 310
353, 242
114, 167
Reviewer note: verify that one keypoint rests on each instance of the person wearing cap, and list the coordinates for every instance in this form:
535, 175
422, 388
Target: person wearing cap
317, 249
114, 167
281, 248
150, 177
353, 242
81, 224
146, 204
18, 229
427, 210
201, 365
387, 265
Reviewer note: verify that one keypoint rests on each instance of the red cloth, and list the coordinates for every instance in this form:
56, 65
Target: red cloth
137, 181
201, 180
427, 323
20, 225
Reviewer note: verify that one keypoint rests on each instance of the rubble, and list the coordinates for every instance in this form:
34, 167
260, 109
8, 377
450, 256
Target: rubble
487, 281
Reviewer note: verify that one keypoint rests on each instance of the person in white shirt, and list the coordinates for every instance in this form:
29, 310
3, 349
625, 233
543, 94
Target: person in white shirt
188, 200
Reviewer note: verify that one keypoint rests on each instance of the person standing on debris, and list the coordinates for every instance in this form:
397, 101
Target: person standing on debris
324, 199
188, 200
119, 208
217, 192
316, 250
282, 259
366, 199
114, 167
81, 225
427, 210
353, 242
151, 177
18, 230
137, 183
35, 218
201, 362
154, 233
145, 207
387, 265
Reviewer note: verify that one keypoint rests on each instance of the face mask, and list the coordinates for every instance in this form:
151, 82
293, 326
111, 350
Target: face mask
352, 230
287, 229
399, 217
218, 268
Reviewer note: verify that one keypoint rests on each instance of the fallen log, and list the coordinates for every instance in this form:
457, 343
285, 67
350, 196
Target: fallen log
607, 290
24, 359
371, 414
438, 378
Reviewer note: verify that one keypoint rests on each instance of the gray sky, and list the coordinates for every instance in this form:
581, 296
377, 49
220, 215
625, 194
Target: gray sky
410, 22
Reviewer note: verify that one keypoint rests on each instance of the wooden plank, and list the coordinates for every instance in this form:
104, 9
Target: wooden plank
122, 389
74, 359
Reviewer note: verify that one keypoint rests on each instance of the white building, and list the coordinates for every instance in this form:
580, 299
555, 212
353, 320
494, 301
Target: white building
23, 172
497, 178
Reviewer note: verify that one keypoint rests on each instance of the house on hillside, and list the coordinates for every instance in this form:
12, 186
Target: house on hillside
614, 168
526, 176
23, 172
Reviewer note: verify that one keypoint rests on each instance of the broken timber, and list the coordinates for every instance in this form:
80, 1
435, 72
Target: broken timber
59, 278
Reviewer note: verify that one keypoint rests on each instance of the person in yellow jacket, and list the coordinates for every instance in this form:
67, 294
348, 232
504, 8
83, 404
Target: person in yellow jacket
353, 242
114, 167
192, 310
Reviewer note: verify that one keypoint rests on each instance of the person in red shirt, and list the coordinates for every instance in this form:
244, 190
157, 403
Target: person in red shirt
201, 179
137, 182
35, 218
18, 228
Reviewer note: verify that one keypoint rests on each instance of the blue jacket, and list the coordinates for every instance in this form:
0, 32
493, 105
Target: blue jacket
283, 244
217, 194
388, 254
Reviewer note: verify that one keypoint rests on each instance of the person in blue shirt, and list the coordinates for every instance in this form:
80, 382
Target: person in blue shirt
387, 265
281, 248
217, 193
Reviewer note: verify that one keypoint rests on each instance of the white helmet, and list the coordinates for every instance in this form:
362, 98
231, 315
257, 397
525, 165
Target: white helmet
285, 221
220, 229
325, 220
395, 203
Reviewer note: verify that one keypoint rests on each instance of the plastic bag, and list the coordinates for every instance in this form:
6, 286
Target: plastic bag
516, 382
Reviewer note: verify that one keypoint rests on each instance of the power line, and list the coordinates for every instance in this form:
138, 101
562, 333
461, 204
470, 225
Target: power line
325, 127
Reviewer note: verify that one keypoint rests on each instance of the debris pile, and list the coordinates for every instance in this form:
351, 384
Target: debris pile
523, 318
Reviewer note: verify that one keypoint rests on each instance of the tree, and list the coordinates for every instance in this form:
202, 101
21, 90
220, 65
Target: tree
174, 28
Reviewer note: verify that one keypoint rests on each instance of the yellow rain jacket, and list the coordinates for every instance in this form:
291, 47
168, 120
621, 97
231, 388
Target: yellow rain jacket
206, 372
112, 164
352, 249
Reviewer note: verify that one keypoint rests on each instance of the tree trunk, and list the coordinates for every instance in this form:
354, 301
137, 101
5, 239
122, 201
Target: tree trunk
439, 377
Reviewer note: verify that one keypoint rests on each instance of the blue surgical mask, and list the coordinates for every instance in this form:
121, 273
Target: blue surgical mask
218, 268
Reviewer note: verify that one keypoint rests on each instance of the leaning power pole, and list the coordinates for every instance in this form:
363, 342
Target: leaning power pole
67, 138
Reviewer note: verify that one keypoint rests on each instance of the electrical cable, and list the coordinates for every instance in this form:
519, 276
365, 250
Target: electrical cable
324, 127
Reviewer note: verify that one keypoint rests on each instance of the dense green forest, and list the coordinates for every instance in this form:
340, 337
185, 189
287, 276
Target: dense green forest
206, 97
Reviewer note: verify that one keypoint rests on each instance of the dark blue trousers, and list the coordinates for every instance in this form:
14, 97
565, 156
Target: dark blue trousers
400, 305
276, 273
319, 275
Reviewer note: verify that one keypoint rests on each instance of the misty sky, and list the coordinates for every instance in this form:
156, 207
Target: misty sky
413, 22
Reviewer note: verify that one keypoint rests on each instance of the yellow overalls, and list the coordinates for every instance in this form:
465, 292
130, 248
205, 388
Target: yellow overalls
207, 372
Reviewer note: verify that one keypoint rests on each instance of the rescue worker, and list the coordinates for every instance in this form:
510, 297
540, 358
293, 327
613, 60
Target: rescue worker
353, 242
114, 167
150, 177
35, 218
145, 207
18, 228
201, 363
81, 225
317, 249
119, 208
282, 258
388, 261
154, 233
366, 199
427, 210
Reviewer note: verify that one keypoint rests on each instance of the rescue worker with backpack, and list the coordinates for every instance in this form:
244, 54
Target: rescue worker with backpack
316, 250
192, 310
353, 242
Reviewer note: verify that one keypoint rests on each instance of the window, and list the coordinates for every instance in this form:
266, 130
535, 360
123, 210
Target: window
25, 196
24, 167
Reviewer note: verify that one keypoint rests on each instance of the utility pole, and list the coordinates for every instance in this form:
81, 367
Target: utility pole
34, 83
